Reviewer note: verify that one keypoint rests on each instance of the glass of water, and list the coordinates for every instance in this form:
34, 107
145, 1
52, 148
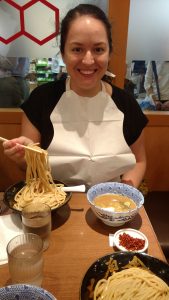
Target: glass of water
36, 218
25, 260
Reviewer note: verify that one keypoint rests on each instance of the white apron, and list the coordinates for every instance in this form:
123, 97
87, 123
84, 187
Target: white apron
88, 144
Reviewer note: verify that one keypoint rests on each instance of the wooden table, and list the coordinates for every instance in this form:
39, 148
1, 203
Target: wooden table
78, 238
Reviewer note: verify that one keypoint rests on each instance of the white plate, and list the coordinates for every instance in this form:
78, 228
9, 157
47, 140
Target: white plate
133, 233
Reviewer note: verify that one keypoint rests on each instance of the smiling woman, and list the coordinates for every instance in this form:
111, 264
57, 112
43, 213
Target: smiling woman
23, 46
86, 48
86, 54
86, 110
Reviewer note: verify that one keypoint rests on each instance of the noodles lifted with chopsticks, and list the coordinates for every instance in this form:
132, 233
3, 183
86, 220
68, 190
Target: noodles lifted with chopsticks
40, 186
133, 283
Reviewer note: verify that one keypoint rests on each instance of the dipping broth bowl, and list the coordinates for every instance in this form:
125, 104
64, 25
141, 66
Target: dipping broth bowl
106, 215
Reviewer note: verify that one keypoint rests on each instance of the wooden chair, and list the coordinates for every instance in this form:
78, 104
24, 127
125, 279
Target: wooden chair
157, 208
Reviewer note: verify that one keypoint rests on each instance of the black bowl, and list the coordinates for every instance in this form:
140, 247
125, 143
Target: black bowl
10, 193
98, 269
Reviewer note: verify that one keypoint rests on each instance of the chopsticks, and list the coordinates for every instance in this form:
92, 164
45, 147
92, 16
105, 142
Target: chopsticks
26, 147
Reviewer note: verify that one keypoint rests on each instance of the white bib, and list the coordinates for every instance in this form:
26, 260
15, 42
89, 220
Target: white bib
88, 144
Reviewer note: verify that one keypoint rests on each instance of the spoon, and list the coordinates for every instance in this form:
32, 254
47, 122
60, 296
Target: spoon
76, 188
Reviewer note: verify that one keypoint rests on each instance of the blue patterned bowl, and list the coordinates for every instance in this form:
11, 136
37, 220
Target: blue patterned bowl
109, 217
24, 292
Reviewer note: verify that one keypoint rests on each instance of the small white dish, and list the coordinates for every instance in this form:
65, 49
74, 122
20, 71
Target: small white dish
133, 233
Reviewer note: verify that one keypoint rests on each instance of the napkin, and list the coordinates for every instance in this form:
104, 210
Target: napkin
10, 226
111, 239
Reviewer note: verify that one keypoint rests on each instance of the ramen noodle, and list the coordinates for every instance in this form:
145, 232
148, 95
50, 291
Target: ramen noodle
132, 283
40, 186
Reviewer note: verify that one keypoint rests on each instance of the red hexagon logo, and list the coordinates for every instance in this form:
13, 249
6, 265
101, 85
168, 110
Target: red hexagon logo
17, 34
23, 30
56, 21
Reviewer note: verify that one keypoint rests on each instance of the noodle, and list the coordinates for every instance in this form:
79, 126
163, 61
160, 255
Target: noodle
133, 283
40, 186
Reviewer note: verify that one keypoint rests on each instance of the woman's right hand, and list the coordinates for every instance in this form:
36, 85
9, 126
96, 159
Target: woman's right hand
14, 150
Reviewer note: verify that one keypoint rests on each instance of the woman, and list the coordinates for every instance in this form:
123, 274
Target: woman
93, 131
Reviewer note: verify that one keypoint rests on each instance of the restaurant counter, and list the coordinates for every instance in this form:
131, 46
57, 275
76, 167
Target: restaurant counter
157, 150
78, 238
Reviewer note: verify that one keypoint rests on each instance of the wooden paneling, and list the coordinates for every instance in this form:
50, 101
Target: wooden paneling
10, 127
119, 16
157, 149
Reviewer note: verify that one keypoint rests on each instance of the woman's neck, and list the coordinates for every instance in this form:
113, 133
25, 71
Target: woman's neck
86, 92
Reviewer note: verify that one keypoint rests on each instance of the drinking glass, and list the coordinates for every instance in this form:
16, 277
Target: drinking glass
25, 260
36, 218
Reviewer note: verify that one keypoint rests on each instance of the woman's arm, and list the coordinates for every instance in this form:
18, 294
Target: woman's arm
29, 130
29, 134
135, 175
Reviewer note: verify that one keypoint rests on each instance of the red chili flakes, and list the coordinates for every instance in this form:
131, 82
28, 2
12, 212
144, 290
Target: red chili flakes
131, 243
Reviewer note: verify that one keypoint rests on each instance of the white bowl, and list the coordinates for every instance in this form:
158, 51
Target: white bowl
107, 216
133, 233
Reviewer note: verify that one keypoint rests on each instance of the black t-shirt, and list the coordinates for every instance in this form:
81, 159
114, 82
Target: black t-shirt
44, 98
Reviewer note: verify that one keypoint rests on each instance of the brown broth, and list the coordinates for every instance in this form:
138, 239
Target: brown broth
116, 202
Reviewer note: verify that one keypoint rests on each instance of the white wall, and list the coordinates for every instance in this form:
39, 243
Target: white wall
41, 21
148, 33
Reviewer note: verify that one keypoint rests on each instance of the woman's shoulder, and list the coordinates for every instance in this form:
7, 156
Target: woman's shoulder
50, 88
134, 118
46, 95
124, 100
118, 92
115, 92
43, 99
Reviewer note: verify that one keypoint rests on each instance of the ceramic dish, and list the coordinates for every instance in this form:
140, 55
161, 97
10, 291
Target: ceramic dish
10, 193
23, 292
99, 268
136, 234
107, 215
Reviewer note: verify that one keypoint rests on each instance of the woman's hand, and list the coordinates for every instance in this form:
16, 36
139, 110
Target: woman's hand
14, 150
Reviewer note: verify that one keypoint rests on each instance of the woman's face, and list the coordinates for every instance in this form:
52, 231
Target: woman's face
86, 55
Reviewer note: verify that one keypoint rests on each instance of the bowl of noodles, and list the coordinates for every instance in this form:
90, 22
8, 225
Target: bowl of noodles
126, 275
39, 185
115, 203
11, 193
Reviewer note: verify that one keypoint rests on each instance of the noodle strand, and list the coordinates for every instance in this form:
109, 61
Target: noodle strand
40, 186
134, 283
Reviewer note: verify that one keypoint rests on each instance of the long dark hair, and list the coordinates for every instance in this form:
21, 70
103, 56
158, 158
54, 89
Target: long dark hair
81, 10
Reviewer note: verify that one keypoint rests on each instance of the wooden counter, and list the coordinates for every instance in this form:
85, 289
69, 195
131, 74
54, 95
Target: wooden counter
78, 238
157, 149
